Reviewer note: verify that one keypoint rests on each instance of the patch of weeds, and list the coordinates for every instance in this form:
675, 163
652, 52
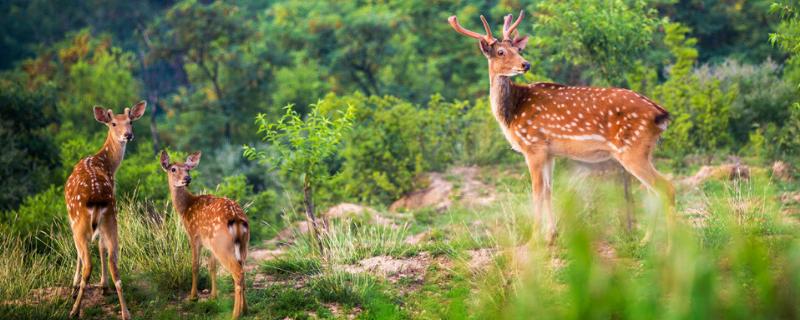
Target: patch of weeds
204, 307
425, 216
287, 266
280, 302
57, 310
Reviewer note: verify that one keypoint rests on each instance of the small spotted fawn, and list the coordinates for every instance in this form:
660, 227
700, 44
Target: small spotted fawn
91, 204
218, 224
586, 124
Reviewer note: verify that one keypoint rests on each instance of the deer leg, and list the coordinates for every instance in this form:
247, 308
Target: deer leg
639, 166
223, 249
237, 273
103, 276
109, 235
540, 166
77, 278
195, 268
81, 235
547, 209
626, 185
212, 272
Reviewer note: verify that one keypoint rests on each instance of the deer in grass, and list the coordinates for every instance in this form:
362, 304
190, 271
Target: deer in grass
544, 120
216, 223
91, 204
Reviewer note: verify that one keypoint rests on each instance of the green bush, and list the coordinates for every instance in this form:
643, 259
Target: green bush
39, 214
762, 97
396, 140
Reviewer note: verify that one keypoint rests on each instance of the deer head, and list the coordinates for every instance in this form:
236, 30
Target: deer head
178, 173
119, 126
504, 56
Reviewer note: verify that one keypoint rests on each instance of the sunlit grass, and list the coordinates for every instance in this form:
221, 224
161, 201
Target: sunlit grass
740, 263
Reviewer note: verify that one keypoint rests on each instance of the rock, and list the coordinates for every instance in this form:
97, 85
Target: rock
393, 268
782, 171
790, 197
479, 259
347, 210
439, 193
726, 171
350, 210
473, 192
436, 195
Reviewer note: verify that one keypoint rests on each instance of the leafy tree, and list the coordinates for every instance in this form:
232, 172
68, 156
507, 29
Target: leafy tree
726, 29
607, 36
700, 109
29, 152
300, 148
206, 38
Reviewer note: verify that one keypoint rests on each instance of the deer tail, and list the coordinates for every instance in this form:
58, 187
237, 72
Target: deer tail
239, 230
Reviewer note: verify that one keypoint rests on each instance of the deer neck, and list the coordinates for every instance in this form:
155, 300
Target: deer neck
112, 153
503, 98
182, 199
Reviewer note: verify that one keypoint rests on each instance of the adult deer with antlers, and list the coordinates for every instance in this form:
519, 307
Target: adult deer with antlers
586, 124
91, 204
217, 223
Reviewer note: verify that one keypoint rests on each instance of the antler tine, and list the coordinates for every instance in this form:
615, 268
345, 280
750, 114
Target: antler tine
489, 37
509, 30
472, 34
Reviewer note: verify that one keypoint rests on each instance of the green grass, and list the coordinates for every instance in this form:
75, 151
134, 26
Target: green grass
742, 261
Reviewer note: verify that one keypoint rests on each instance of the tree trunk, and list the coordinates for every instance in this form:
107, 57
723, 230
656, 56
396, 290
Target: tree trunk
308, 201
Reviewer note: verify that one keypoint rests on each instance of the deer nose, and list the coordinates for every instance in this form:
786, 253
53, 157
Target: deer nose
187, 179
129, 136
526, 66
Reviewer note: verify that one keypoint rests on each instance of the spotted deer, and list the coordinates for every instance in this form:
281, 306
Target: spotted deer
216, 223
587, 124
91, 204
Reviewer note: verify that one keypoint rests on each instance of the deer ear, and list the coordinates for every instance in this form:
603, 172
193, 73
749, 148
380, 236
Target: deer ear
192, 160
164, 160
137, 111
486, 48
101, 115
520, 43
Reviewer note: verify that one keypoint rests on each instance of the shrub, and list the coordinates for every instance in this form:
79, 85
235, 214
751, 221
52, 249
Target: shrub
39, 214
762, 96
396, 140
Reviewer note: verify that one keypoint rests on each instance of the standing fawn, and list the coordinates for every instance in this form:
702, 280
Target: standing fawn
218, 224
91, 204
544, 120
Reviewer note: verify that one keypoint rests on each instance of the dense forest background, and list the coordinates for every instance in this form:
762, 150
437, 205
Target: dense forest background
724, 69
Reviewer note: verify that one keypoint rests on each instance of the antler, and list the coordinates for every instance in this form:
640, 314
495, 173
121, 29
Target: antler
472, 34
509, 30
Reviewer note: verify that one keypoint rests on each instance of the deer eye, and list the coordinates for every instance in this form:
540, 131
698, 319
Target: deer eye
114, 124
501, 52
173, 169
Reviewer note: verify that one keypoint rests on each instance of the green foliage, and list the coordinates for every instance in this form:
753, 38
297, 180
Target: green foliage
762, 97
38, 213
299, 83
607, 36
301, 146
397, 140
787, 35
726, 29
699, 108
208, 38
29, 156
